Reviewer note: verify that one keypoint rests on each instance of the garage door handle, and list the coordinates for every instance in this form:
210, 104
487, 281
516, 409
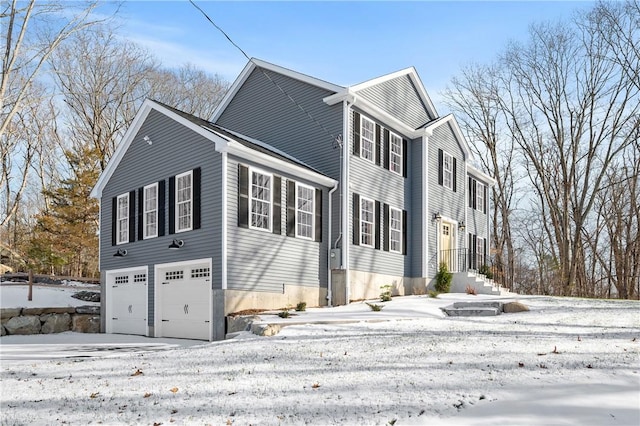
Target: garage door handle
165, 320
114, 318
186, 309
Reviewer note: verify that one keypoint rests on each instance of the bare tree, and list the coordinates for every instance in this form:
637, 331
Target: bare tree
30, 34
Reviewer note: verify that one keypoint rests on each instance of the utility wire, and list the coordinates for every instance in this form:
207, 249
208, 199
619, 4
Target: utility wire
337, 139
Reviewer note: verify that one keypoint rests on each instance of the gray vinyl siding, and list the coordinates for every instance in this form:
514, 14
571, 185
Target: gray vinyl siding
476, 219
175, 149
262, 261
443, 200
400, 99
419, 180
379, 184
260, 110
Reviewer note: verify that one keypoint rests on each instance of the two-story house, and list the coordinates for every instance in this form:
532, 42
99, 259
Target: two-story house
297, 190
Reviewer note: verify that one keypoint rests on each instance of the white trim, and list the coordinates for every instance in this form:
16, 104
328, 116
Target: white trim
451, 119
373, 227
157, 322
402, 153
255, 63
312, 213
454, 239
177, 203
224, 222
447, 172
390, 229
425, 207
108, 309
253, 170
364, 119
345, 207
144, 211
479, 174
126, 240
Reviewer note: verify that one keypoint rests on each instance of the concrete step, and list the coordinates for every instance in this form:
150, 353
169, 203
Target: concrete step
471, 312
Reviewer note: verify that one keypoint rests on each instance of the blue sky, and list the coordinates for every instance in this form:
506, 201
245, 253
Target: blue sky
342, 42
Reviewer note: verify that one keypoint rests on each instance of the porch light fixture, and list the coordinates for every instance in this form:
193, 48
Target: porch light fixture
461, 226
437, 216
176, 244
120, 253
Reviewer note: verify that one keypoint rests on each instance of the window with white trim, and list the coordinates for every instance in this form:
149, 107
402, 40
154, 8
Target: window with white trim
479, 196
447, 170
305, 196
122, 219
260, 200
395, 153
367, 222
184, 201
150, 214
395, 230
480, 252
368, 141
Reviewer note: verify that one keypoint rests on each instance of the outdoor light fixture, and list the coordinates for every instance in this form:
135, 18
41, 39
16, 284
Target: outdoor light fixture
176, 244
461, 226
437, 216
120, 253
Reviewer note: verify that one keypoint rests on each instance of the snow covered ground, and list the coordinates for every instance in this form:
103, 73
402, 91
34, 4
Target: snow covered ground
15, 296
566, 362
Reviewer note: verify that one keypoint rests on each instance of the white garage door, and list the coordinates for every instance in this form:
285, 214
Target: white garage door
126, 305
184, 304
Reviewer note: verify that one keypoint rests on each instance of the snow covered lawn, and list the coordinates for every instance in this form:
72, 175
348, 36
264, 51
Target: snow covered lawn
50, 296
567, 361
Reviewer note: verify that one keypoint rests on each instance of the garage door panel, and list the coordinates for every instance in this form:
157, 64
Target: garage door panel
127, 302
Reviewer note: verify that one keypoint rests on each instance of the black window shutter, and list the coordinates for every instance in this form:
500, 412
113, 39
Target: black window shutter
484, 251
291, 208
484, 207
405, 154
243, 196
387, 221
378, 213
440, 166
454, 174
470, 252
386, 149
356, 133
197, 197
161, 207
318, 218
471, 185
277, 205
114, 220
378, 144
475, 252
132, 216
475, 193
404, 232
356, 219
140, 213
172, 205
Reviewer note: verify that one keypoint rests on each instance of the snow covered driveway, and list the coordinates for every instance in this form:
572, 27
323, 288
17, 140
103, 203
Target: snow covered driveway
567, 361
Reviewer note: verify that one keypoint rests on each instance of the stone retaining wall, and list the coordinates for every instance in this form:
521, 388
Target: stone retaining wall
81, 319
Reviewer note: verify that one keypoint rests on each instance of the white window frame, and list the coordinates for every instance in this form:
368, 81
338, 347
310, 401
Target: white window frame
122, 219
395, 157
150, 211
395, 230
252, 198
367, 139
480, 254
187, 202
370, 224
447, 170
308, 212
479, 196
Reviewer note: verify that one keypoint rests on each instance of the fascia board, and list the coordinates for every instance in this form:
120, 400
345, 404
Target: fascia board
482, 175
450, 118
241, 151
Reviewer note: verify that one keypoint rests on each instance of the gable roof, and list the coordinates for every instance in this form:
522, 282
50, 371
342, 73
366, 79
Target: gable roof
260, 64
224, 141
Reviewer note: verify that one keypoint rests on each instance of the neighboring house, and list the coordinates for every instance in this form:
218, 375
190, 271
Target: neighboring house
298, 190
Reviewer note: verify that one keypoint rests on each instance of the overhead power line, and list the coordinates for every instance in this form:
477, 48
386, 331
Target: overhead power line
335, 138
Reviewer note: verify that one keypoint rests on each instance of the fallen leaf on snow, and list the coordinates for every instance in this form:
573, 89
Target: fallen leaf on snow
174, 389
94, 395
147, 395
138, 372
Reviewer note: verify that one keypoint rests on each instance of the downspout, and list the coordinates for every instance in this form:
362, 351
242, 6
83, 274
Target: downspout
344, 183
223, 231
329, 280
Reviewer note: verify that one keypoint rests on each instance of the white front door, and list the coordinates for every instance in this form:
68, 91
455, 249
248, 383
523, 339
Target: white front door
183, 302
447, 245
126, 301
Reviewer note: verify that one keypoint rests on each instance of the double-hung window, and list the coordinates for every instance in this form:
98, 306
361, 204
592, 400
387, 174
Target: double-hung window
480, 261
367, 222
395, 230
150, 214
447, 170
260, 200
122, 219
184, 201
395, 153
305, 196
368, 142
479, 196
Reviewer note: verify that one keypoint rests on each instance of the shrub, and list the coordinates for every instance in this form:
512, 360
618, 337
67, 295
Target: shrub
471, 290
284, 313
443, 279
433, 294
375, 307
301, 306
486, 271
385, 296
